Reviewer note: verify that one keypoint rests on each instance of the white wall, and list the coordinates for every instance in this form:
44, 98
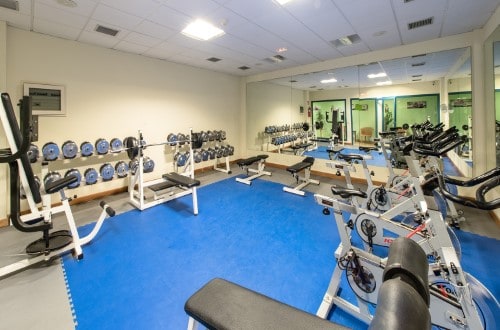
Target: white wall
114, 94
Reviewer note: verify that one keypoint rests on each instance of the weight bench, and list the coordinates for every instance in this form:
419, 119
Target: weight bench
245, 163
299, 149
221, 304
305, 165
334, 152
403, 301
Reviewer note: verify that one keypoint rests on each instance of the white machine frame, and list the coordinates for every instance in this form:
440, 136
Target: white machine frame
138, 198
259, 171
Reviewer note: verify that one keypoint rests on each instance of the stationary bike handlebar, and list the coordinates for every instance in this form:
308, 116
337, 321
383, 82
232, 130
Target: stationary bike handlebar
442, 149
495, 172
480, 201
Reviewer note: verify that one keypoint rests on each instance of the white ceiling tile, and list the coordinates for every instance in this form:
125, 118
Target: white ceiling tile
24, 7
115, 17
84, 8
193, 8
142, 8
129, 47
170, 18
141, 39
155, 30
56, 15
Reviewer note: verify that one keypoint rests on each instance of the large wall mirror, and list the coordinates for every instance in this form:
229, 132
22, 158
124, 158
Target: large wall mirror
496, 57
356, 103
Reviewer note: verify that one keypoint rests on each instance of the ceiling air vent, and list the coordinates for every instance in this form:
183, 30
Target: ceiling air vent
346, 41
419, 55
422, 22
10, 4
275, 59
106, 30
416, 76
417, 64
213, 59
406, 1
244, 67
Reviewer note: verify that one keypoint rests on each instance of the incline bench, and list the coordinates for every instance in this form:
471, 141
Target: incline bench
245, 163
299, 149
223, 305
305, 165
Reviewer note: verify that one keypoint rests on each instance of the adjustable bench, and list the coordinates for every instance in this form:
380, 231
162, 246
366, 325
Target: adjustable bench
299, 149
305, 165
220, 304
245, 163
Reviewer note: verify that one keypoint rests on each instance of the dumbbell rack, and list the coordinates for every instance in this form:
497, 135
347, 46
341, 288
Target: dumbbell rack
280, 136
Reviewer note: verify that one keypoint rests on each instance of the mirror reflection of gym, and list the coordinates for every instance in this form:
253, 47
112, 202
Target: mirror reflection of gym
362, 108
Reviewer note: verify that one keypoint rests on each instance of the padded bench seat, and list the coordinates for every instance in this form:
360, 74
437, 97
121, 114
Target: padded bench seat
162, 186
251, 160
305, 163
181, 180
220, 304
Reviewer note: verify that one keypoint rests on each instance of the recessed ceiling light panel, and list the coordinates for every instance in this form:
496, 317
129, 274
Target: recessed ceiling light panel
328, 81
202, 30
377, 75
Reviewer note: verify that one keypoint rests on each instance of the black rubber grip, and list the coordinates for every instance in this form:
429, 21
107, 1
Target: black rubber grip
109, 210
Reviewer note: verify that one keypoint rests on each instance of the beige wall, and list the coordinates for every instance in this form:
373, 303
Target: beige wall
114, 94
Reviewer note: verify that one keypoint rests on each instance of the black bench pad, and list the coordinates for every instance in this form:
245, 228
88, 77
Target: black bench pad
162, 186
349, 157
301, 146
367, 149
251, 160
305, 163
346, 192
181, 180
222, 305
57, 185
334, 150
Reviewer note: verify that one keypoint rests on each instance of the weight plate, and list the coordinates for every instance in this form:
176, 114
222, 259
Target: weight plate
211, 136
211, 153
197, 140
33, 153
116, 145
225, 151
172, 139
218, 152
231, 150
204, 136
148, 165
69, 149
107, 171
204, 155
102, 146
86, 149
121, 169
222, 135
217, 136
132, 146
51, 177
50, 151
76, 173
91, 176
133, 165
182, 159
181, 138
197, 156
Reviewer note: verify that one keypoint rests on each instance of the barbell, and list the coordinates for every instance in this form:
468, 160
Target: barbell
133, 146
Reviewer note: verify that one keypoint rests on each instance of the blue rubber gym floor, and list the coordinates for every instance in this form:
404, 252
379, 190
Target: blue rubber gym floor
142, 266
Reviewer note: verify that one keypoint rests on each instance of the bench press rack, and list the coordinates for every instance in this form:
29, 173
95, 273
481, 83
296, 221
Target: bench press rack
169, 187
245, 163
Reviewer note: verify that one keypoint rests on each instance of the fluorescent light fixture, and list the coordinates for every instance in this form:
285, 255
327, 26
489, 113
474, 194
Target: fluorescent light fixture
202, 30
345, 41
377, 75
283, 2
328, 81
281, 50
384, 83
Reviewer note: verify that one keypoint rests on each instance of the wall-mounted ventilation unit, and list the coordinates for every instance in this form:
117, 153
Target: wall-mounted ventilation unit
10, 4
106, 30
418, 64
422, 22
213, 59
244, 68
